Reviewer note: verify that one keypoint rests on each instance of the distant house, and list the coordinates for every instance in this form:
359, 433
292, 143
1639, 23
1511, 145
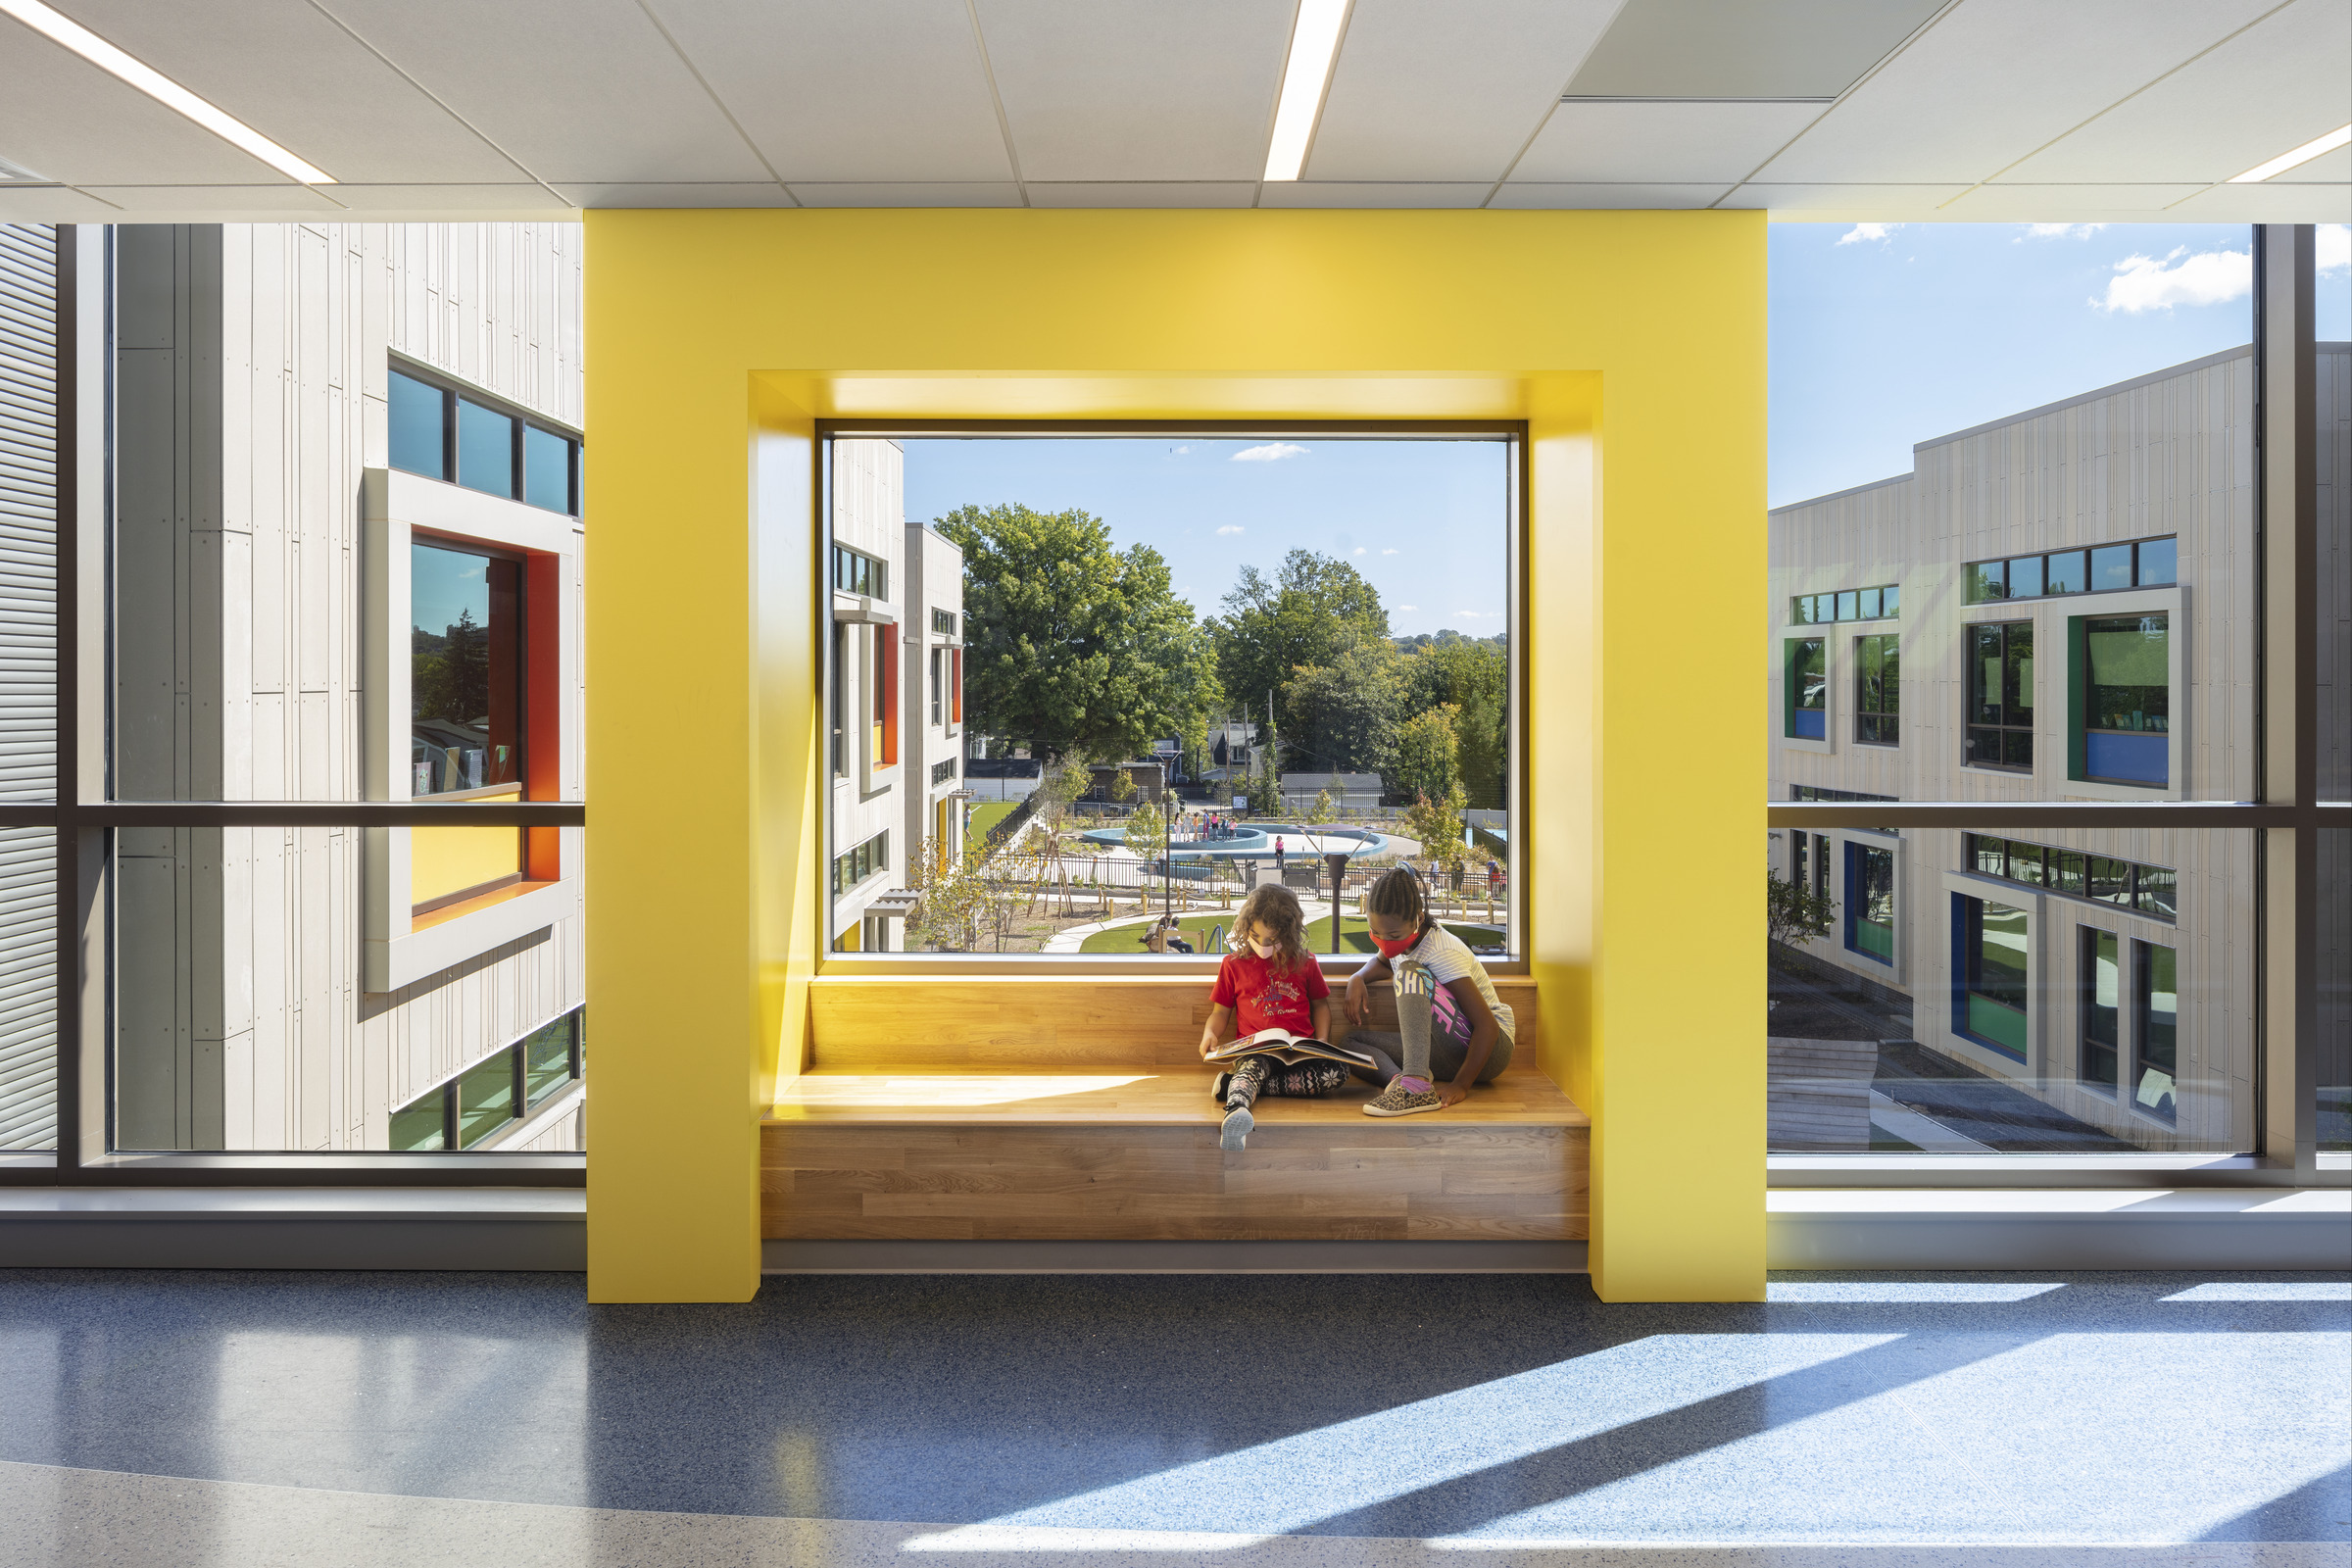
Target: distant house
1150, 781
1002, 779
1348, 791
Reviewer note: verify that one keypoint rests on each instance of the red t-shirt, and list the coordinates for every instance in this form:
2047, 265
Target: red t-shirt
1263, 997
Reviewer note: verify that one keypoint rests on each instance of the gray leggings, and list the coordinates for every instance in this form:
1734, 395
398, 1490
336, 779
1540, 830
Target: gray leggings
1450, 1032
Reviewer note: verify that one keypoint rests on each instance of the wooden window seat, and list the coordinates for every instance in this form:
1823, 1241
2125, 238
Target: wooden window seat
1064, 1109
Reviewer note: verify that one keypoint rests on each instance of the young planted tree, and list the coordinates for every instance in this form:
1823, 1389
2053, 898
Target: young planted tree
1438, 824
952, 896
1322, 811
1795, 914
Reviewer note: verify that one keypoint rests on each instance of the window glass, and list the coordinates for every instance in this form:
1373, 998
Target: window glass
419, 1125
2067, 573
1891, 600
415, 412
546, 470
1808, 688
1877, 689
2025, 577
1848, 605
465, 670
1986, 581
1994, 998
1870, 604
2000, 677
2068, 873
2102, 1001
547, 1059
485, 450
2153, 891
2110, 880
2157, 995
2111, 567
2025, 862
2159, 560
485, 1097
1870, 901
2127, 699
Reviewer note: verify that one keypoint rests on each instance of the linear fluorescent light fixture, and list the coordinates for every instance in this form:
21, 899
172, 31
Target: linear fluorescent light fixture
1314, 45
2338, 137
162, 88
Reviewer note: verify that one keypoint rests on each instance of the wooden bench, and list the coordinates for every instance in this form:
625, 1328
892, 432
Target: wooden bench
1009, 1109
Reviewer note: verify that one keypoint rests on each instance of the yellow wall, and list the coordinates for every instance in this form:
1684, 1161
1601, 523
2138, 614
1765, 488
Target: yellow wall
450, 859
1633, 343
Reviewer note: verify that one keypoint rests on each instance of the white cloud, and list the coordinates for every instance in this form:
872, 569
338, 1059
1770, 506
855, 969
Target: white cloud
1387, 552
1181, 451
1271, 451
1867, 231
2058, 231
1229, 529
1359, 550
2209, 277
1408, 607
1469, 615
2335, 244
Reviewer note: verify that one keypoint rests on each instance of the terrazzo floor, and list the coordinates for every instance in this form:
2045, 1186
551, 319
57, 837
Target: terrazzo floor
1896, 1420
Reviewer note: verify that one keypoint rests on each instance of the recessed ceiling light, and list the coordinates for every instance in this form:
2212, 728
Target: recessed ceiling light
1314, 44
162, 88
2304, 154
17, 173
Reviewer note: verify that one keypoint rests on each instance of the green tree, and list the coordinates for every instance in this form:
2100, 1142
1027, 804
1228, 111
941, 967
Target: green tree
1148, 830
1082, 648
1312, 606
1265, 786
1428, 760
1436, 821
1340, 715
1793, 913
1474, 676
1322, 811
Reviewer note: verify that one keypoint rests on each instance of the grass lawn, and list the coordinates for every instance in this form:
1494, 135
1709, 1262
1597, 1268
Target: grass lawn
985, 817
1129, 939
1354, 938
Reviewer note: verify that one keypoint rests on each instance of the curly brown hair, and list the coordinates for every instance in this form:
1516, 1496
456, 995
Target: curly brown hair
1271, 911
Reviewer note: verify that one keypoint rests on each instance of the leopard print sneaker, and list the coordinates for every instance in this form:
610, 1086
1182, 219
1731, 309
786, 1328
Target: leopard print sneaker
1399, 1101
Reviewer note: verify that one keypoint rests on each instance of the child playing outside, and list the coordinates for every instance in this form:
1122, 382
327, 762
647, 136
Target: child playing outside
1270, 981
1450, 1024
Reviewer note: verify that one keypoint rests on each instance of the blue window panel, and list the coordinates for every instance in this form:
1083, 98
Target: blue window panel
2159, 563
546, 470
2134, 758
485, 450
416, 427
1809, 725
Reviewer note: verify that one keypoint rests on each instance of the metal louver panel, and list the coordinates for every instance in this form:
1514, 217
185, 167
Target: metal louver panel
28, 682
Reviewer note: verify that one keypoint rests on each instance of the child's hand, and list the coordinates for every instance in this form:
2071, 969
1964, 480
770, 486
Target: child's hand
1451, 1094
1359, 998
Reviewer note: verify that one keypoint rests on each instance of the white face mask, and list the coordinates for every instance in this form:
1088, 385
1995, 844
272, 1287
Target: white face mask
1264, 950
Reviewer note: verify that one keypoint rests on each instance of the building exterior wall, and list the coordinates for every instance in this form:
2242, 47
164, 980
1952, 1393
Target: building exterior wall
252, 362
2169, 454
869, 516
933, 678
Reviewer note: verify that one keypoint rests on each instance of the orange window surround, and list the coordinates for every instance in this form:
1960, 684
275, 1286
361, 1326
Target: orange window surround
885, 693
956, 687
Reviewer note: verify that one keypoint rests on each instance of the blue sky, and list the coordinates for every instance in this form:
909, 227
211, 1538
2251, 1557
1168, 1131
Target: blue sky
1423, 520
1882, 335
1887, 334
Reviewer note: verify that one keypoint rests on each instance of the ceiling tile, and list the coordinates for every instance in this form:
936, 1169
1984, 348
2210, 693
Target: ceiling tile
879, 90
1995, 79
674, 193
1660, 142
1447, 94
51, 204
1156, 193
1375, 194
1754, 49
2267, 203
2275, 87
507, 199
1863, 203
214, 204
64, 119
578, 90
287, 71
1138, 89
909, 194
2083, 203
1604, 197
2329, 168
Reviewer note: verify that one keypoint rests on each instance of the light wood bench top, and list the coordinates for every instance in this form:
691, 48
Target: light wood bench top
1128, 1096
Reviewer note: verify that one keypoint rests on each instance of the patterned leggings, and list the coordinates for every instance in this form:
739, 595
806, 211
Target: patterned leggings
1253, 1076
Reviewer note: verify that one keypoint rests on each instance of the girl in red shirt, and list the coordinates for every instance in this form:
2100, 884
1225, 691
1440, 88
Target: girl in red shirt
1270, 981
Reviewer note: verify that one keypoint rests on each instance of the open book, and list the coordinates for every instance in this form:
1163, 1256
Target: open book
1288, 1048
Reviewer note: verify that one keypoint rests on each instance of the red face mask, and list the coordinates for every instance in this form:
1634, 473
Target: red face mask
1390, 949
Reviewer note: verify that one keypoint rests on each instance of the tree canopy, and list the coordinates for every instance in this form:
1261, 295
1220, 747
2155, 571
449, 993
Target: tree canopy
1081, 648
1312, 607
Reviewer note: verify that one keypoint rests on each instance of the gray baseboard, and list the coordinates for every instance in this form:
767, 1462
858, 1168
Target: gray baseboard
539, 1229
1172, 1257
2074, 1228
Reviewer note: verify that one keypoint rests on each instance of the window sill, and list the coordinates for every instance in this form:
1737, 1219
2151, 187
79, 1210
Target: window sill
424, 920
450, 936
